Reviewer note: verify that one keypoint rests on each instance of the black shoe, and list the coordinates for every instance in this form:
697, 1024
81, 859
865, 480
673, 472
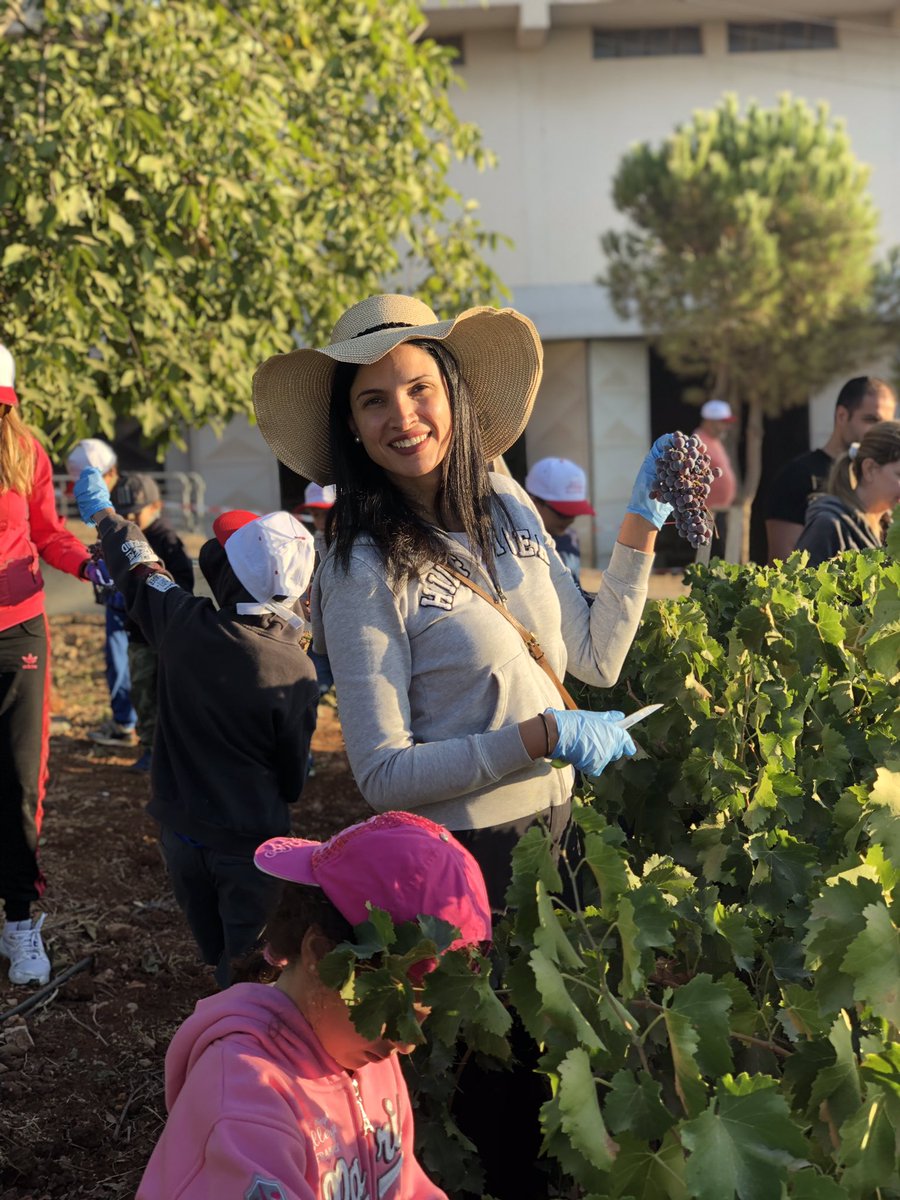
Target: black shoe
143, 763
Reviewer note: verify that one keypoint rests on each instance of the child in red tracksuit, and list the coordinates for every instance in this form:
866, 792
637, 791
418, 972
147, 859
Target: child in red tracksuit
30, 530
272, 1092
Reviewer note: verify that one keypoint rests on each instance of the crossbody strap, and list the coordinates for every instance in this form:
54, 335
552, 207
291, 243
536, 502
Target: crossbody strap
535, 649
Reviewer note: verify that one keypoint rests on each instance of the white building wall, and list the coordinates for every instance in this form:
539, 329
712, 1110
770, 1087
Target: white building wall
560, 121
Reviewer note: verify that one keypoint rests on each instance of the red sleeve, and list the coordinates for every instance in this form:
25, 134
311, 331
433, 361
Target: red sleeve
56, 545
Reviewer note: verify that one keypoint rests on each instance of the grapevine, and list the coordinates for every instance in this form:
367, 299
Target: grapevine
684, 475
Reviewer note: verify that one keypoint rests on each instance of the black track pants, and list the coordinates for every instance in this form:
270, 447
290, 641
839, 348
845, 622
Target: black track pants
24, 740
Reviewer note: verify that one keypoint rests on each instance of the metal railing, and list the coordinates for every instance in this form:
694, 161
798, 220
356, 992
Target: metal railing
183, 494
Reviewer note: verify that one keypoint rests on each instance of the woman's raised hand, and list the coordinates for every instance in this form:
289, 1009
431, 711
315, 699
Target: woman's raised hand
654, 511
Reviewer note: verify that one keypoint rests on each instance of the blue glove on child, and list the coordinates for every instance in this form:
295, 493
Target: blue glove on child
91, 494
640, 503
590, 741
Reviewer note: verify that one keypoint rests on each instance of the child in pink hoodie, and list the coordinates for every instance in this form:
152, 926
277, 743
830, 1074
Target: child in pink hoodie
271, 1091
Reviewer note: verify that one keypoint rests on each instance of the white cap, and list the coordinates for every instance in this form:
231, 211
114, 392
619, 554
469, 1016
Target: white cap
562, 484
717, 410
273, 556
317, 496
7, 377
91, 452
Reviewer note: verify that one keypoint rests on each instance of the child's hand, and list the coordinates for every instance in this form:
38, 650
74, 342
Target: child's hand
91, 494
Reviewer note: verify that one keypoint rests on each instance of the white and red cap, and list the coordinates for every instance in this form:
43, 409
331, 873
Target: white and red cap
396, 861
91, 452
273, 556
317, 496
7, 377
717, 410
562, 485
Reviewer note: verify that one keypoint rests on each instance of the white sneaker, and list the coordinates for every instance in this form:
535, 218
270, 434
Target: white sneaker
28, 961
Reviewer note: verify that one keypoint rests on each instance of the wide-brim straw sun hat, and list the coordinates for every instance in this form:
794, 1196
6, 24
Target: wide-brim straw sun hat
498, 351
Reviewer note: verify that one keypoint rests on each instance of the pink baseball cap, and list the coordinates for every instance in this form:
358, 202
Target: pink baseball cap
396, 861
562, 485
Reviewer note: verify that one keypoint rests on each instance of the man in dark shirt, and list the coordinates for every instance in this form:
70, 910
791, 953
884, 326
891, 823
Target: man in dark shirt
862, 402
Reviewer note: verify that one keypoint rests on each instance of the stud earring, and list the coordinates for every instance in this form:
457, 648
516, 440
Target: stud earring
357, 439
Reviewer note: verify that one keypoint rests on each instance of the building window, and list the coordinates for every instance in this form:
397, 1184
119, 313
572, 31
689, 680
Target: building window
455, 43
647, 43
761, 36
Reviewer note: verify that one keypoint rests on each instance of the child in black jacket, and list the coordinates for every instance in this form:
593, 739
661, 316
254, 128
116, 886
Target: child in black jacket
136, 497
237, 706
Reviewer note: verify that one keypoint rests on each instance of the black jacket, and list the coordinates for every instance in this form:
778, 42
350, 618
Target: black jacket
237, 699
170, 548
832, 527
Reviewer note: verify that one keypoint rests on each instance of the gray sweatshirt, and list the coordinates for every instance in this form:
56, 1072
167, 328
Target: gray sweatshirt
432, 682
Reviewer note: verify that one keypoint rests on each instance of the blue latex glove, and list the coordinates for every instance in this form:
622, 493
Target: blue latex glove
590, 741
91, 494
640, 503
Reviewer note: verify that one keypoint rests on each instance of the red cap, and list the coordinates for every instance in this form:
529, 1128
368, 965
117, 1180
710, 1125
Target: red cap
228, 523
7, 377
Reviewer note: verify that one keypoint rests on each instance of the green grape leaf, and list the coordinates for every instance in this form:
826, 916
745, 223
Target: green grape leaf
609, 868
579, 1109
550, 936
559, 1009
683, 1043
810, 1185
838, 1083
884, 818
873, 962
744, 1144
868, 1148
835, 919
642, 1173
634, 1105
731, 923
707, 1006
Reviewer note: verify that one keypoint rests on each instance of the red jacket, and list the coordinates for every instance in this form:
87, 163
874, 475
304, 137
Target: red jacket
30, 529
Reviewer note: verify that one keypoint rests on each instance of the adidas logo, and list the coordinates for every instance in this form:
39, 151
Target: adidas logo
29, 662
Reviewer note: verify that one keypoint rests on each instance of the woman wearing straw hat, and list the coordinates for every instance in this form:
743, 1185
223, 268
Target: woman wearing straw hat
444, 710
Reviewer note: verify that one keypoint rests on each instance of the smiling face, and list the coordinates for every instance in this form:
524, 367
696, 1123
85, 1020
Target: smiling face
400, 411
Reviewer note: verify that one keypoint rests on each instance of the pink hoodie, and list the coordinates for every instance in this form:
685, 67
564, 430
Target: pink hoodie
259, 1111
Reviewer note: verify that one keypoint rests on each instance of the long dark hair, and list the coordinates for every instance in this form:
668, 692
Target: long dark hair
297, 909
368, 503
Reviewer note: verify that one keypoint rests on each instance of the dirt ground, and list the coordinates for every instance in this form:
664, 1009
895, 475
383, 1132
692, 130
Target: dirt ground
81, 1074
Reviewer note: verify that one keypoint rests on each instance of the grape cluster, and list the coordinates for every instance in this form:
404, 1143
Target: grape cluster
684, 474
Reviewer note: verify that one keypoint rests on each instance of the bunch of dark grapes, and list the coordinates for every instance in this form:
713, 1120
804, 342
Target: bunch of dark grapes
684, 474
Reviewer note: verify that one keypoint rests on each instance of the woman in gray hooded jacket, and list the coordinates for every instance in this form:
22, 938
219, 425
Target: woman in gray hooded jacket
862, 490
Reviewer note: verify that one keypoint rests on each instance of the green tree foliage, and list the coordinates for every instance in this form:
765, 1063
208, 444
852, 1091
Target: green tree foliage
185, 187
748, 254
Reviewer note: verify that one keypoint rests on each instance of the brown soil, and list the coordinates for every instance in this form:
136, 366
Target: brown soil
81, 1074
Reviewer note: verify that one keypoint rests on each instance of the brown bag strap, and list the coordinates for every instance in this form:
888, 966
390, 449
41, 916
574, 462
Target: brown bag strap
535, 649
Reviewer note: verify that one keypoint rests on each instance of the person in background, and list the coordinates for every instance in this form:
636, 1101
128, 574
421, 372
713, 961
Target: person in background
715, 418
863, 490
136, 498
236, 713
862, 402
119, 730
30, 530
271, 1091
558, 488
